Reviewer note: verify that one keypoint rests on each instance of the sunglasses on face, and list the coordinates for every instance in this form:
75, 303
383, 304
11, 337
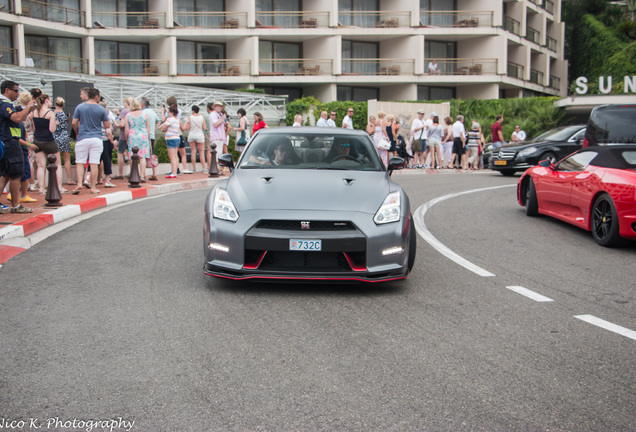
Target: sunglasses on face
345, 145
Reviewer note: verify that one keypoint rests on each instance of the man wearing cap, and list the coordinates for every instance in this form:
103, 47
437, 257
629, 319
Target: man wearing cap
217, 126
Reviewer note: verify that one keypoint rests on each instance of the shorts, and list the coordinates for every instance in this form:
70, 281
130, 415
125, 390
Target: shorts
458, 147
12, 163
27, 165
181, 142
218, 143
473, 152
122, 146
48, 147
172, 143
196, 137
416, 145
89, 149
434, 143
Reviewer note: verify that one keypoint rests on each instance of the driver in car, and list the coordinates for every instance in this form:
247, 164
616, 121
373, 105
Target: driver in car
282, 154
339, 151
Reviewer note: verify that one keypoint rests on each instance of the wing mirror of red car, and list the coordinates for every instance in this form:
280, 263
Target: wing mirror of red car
546, 164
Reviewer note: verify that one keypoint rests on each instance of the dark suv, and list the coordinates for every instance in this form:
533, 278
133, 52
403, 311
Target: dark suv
611, 124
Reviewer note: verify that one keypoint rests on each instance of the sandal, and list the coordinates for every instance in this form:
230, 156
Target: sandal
153, 178
76, 191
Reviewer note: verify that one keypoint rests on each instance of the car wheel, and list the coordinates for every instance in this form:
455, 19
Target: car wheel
507, 172
605, 226
412, 247
532, 205
550, 157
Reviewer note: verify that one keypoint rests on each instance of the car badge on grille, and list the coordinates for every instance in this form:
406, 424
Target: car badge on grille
304, 225
500, 155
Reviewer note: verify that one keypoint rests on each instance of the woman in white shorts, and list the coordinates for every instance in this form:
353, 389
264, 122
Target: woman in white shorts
434, 140
196, 137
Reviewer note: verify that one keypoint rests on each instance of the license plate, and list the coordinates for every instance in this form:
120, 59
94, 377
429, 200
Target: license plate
305, 245
501, 162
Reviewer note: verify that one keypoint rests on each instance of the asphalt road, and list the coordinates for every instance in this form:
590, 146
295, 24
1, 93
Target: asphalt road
112, 318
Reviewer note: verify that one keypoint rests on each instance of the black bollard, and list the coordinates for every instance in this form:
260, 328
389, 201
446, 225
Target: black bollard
53, 196
213, 168
134, 179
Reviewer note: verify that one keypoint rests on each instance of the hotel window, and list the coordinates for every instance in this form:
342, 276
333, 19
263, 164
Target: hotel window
440, 51
357, 12
431, 12
356, 94
354, 55
426, 93
64, 11
270, 19
119, 58
189, 13
293, 93
61, 54
6, 45
203, 55
114, 13
277, 57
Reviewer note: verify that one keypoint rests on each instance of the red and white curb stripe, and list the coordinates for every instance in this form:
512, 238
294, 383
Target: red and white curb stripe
32, 225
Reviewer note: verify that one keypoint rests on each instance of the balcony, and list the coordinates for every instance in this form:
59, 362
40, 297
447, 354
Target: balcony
512, 25
295, 19
536, 76
52, 13
555, 82
131, 67
456, 18
131, 20
382, 66
55, 62
551, 43
223, 20
295, 67
515, 70
8, 56
463, 66
533, 35
374, 19
225, 68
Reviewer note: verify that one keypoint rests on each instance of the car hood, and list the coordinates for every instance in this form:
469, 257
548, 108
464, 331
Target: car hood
526, 144
319, 190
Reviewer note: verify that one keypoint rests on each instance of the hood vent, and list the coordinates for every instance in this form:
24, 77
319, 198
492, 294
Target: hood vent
267, 180
349, 182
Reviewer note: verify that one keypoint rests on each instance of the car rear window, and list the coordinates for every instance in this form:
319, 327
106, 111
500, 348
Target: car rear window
614, 125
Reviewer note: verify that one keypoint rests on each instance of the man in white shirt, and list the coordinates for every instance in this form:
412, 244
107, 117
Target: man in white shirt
347, 121
322, 121
331, 121
459, 141
417, 133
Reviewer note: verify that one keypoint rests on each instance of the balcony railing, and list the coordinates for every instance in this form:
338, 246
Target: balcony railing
131, 67
551, 43
6, 6
8, 56
305, 66
133, 20
512, 25
515, 70
375, 19
532, 35
555, 82
56, 62
382, 66
463, 66
536, 76
51, 12
201, 67
295, 19
224, 20
456, 18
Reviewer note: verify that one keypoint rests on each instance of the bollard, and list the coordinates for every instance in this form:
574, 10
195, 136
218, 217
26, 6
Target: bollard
53, 196
213, 169
134, 179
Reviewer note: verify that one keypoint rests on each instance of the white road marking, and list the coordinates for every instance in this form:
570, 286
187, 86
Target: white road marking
591, 319
420, 227
530, 294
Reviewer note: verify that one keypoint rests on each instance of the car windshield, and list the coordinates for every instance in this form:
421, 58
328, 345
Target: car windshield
291, 148
559, 134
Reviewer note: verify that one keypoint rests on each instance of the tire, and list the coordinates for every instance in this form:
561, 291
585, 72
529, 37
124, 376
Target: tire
412, 247
507, 172
604, 223
550, 157
532, 204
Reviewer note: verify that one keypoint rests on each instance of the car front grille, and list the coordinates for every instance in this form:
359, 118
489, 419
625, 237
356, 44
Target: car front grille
297, 225
504, 155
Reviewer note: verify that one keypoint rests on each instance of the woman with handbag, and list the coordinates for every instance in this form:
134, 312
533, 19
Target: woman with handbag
242, 130
196, 137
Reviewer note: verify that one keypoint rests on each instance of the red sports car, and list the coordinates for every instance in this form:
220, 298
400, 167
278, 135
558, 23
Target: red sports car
593, 188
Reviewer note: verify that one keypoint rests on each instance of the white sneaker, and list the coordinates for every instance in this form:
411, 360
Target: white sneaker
188, 172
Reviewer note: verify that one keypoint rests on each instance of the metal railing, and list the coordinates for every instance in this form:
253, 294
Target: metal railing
515, 70
374, 19
224, 20
8, 56
131, 67
533, 35
296, 67
551, 43
53, 13
56, 62
512, 25
133, 20
456, 18
555, 82
536, 76
292, 19
381, 66
203, 67
6, 6
463, 66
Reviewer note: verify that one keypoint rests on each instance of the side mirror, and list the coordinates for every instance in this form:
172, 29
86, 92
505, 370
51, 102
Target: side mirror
227, 161
396, 163
546, 164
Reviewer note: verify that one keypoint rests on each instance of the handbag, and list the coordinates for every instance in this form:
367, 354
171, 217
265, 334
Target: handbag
153, 160
242, 140
384, 144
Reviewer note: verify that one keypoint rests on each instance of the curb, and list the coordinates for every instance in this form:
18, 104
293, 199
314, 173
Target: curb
36, 223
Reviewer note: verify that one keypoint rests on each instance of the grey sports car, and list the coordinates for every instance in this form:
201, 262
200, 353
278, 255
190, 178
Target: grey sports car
307, 203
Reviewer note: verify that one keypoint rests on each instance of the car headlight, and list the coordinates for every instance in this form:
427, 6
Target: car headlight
390, 209
528, 151
223, 206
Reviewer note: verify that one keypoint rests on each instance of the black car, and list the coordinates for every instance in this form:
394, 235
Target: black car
611, 124
552, 145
